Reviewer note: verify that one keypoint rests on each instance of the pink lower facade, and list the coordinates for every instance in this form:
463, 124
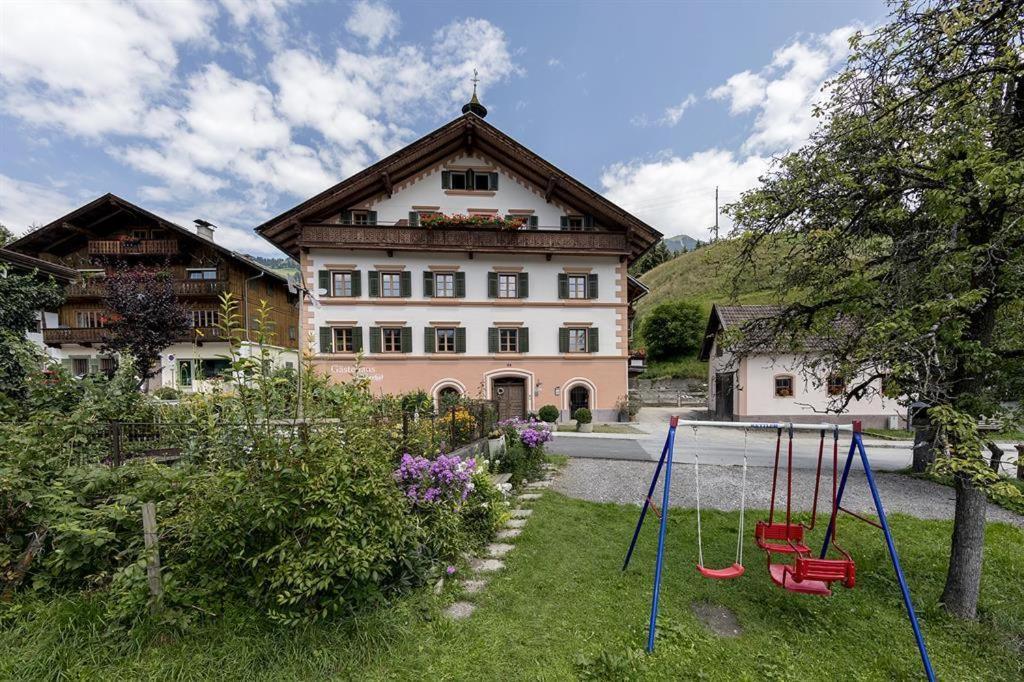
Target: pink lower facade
555, 380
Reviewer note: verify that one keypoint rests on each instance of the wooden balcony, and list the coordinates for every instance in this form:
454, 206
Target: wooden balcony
133, 247
483, 239
87, 336
97, 288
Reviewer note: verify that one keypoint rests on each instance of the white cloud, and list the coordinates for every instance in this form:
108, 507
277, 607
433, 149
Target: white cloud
555, 63
677, 195
25, 204
674, 114
375, 22
91, 68
784, 92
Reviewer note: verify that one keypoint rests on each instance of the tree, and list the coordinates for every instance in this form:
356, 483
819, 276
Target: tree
672, 329
23, 296
657, 255
145, 316
903, 220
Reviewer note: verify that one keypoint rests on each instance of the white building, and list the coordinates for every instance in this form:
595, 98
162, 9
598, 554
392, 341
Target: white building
775, 385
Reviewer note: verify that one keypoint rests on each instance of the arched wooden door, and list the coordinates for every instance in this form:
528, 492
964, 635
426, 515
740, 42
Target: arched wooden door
510, 393
579, 396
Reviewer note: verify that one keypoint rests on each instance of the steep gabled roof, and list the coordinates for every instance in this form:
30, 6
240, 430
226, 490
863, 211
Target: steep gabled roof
101, 208
762, 336
466, 132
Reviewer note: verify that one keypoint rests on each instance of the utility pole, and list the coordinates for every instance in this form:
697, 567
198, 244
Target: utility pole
716, 213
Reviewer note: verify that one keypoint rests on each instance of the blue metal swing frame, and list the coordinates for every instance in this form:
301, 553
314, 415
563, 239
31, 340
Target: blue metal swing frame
856, 448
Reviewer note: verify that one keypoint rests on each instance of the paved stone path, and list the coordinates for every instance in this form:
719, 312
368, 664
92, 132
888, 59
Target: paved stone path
626, 482
483, 568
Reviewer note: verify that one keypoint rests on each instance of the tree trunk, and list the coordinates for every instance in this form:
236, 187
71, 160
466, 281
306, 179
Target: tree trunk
963, 580
997, 455
924, 449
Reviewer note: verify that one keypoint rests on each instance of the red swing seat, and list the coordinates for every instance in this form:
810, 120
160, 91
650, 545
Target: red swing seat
790, 537
734, 571
814, 576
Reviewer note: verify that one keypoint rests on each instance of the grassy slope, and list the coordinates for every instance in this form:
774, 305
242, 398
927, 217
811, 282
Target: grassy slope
562, 599
704, 277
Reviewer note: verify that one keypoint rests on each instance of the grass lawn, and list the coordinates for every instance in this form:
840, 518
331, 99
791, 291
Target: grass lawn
680, 368
563, 610
604, 428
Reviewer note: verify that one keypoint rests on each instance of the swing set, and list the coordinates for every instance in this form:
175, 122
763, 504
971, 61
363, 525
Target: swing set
805, 573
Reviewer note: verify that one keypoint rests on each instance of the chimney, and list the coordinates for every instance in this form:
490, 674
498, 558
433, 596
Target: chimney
204, 229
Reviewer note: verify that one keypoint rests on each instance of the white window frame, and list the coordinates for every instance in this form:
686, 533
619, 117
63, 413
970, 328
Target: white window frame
347, 337
508, 282
577, 286
391, 285
508, 340
190, 271
391, 336
447, 334
448, 289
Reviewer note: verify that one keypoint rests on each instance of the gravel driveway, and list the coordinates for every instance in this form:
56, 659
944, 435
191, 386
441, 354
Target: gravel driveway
626, 482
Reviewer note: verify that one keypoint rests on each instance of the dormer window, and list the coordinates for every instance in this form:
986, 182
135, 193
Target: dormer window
469, 180
577, 222
359, 217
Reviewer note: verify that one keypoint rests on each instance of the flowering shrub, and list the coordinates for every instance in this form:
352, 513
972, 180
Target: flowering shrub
532, 433
525, 447
460, 220
445, 479
465, 427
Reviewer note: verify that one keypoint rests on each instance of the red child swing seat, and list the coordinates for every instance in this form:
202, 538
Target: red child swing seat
806, 575
736, 570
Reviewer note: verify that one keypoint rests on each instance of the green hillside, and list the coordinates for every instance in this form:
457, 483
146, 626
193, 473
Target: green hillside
706, 276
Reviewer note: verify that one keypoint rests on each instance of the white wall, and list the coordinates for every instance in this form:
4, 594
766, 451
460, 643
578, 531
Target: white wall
543, 322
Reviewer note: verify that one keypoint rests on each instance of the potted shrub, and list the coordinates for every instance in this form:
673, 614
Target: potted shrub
583, 420
495, 443
548, 413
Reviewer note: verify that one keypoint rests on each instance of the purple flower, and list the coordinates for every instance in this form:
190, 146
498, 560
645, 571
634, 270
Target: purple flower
450, 570
447, 479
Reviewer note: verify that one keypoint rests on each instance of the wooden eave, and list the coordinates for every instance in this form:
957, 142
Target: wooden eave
468, 132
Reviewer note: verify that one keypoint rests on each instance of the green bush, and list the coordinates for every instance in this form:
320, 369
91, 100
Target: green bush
549, 414
582, 416
522, 462
166, 393
484, 511
672, 329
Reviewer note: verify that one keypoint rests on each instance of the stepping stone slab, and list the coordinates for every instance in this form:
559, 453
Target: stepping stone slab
508, 534
536, 485
498, 549
527, 497
473, 586
460, 610
515, 523
486, 565
521, 513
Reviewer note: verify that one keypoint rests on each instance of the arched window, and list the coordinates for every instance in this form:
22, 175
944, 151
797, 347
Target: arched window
579, 396
448, 396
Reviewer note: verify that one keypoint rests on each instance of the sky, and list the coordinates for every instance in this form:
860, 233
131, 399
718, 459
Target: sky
235, 111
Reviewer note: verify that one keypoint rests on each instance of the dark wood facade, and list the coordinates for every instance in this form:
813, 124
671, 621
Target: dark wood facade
111, 233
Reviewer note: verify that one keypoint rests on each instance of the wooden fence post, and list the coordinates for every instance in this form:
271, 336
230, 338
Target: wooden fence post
1020, 461
150, 537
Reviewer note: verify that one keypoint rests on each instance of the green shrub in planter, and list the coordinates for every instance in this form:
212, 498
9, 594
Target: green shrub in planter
583, 416
549, 414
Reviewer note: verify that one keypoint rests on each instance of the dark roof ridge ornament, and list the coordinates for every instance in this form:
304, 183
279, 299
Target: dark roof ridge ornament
474, 104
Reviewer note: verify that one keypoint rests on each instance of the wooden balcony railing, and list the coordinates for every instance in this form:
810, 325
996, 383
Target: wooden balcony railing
58, 336
133, 247
472, 238
94, 288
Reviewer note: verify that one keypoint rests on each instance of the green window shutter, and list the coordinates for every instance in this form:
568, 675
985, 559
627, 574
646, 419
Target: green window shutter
494, 181
324, 282
414, 218
428, 284
533, 223
371, 217
346, 217
563, 340
406, 339
405, 280
592, 285
492, 285
326, 342
374, 339
524, 285
592, 340
446, 179
460, 339
492, 340
524, 340
357, 284
373, 282
460, 285
563, 285
588, 220
428, 339
357, 339
565, 221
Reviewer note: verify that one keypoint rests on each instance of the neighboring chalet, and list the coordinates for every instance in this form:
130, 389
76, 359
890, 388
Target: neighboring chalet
20, 263
466, 263
109, 233
774, 385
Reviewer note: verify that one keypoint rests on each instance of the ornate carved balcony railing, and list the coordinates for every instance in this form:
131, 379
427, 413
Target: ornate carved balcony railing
89, 335
133, 247
476, 238
93, 288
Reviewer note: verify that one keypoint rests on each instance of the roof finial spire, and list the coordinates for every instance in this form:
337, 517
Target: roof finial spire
474, 103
